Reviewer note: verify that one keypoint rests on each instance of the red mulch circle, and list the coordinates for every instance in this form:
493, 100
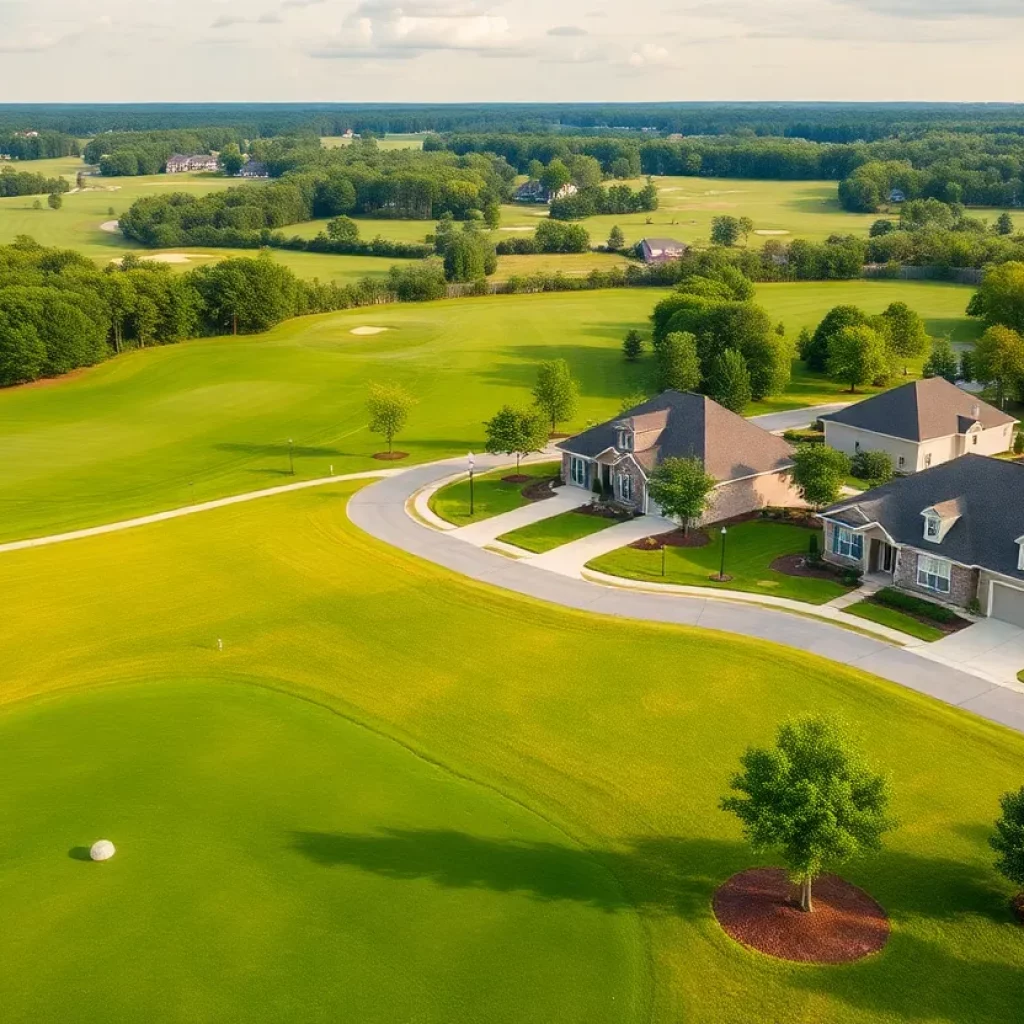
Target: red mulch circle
517, 478
797, 565
391, 456
675, 539
539, 490
760, 908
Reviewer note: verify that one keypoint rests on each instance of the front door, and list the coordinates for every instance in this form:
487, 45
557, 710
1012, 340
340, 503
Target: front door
886, 558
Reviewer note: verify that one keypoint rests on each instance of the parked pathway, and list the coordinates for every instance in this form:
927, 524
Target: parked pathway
380, 510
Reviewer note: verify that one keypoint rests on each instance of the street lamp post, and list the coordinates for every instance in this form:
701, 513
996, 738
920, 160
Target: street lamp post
663, 547
291, 458
721, 571
472, 463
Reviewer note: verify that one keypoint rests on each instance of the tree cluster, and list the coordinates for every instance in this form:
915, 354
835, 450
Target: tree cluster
551, 236
37, 145
27, 183
598, 199
121, 154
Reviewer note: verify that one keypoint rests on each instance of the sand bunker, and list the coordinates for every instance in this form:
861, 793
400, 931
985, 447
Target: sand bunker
111, 227
175, 257
763, 231
521, 227
368, 330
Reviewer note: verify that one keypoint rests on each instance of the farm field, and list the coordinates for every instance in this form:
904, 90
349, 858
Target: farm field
335, 810
167, 426
395, 141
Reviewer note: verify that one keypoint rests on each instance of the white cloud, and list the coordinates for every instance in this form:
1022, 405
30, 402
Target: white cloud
648, 54
931, 9
567, 30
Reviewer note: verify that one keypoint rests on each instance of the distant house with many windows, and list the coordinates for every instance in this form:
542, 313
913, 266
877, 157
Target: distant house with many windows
616, 458
661, 250
921, 424
254, 169
534, 192
179, 163
954, 533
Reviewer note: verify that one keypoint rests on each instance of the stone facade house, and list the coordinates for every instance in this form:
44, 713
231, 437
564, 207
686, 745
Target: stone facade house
954, 533
534, 191
919, 425
179, 163
616, 458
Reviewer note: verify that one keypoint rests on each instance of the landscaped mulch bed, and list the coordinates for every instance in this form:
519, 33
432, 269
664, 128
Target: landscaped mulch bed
391, 456
760, 908
605, 512
946, 627
797, 565
517, 478
674, 539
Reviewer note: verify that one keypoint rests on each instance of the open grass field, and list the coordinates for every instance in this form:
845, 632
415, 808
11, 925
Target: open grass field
492, 495
163, 427
749, 552
394, 141
340, 816
552, 533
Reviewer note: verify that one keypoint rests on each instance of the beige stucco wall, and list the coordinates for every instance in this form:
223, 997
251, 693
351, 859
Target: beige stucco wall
741, 496
914, 454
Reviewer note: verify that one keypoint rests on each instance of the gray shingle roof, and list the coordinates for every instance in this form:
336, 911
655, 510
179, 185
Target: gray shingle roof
921, 410
678, 424
987, 493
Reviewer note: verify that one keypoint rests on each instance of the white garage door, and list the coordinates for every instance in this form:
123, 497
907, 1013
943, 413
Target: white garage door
1008, 604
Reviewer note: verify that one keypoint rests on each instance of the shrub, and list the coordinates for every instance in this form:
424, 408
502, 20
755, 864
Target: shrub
805, 435
1018, 443
893, 598
813, 555
874, 467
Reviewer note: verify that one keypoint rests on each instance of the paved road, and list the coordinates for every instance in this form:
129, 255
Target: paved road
794, 419
379, 509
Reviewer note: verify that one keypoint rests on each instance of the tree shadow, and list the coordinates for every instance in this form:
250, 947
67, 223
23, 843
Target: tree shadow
664, 876
79, 853
277, 449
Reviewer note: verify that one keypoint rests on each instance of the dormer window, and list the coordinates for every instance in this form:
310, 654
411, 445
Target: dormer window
932, 527
625, 441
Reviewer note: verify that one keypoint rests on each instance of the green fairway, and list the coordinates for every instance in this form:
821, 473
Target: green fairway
162, 427
895, 619
492, 495
276, 863
244, 892
750, 549
552, 533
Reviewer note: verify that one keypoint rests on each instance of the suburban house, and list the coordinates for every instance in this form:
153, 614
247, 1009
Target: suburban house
661, 250
534, 191
921, 424
254, 169
954, 533
616, 458
179, 163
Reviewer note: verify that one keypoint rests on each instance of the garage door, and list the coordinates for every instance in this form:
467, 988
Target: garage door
1008, 604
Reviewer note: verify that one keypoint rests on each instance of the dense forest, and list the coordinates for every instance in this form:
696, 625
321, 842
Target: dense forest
27, 183
130, 153
29, 144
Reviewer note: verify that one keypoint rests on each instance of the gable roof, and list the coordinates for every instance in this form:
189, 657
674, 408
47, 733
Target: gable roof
920, 411
986, 493
663, 243
682, 424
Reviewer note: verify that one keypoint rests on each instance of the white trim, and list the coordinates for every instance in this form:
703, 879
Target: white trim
846, 526
753, 476
992, 584
910, 440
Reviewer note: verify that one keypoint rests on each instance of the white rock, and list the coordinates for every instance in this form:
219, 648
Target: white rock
102, 850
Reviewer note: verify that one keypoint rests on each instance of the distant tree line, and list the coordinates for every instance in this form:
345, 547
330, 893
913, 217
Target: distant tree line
28, 183
129, 153
59, 312
37, 145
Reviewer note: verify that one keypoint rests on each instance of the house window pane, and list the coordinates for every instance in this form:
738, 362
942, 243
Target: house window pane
847, 543
933, 574
578, 472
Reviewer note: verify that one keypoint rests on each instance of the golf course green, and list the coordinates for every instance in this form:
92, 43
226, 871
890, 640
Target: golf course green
398, 795
168, 426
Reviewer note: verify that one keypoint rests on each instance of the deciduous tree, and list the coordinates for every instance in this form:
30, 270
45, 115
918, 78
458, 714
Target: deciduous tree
517, 432
616, 239
819, 473
388, 407
999, 360
682, 488
858, 356
556, 392
678, 363
907, 335
813, 797
725, 230
729, 381
1008, 840
942, 361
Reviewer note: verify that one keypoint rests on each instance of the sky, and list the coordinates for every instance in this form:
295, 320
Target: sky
528, 50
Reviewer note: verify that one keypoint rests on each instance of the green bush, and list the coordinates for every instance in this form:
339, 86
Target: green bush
813, 555
805, 435
875, 467
893, 598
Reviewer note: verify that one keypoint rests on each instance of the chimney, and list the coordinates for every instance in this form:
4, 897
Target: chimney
976, 411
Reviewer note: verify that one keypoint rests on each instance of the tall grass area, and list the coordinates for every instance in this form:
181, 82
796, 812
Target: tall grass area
164, 427
529, 829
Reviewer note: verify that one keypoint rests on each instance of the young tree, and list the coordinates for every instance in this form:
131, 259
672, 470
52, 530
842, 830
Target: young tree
999, 360
231, 159
819, 473
907, 335
857, 356
678, 363
814, 352
515, 432
682, 489
729, 381
343, 229
556, 392
556, 176
616, 239
633, 345
492, 215
874, 467
1008, 841
55, 200
725, 230
1004, 224
942, 362
388, 407
746, 228
813, 797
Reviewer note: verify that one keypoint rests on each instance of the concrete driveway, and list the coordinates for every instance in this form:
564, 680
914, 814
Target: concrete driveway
569, 559
993, 647
487, 530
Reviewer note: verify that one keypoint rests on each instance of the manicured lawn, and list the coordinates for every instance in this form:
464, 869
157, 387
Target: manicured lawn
491, 494
750, 550
552, 533
150, 429
284, 859
895, 619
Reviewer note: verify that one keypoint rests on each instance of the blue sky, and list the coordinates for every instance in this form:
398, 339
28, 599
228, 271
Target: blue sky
466, 50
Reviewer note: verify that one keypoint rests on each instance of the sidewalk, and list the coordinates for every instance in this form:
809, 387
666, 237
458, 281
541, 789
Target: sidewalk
487, 530
569, 559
